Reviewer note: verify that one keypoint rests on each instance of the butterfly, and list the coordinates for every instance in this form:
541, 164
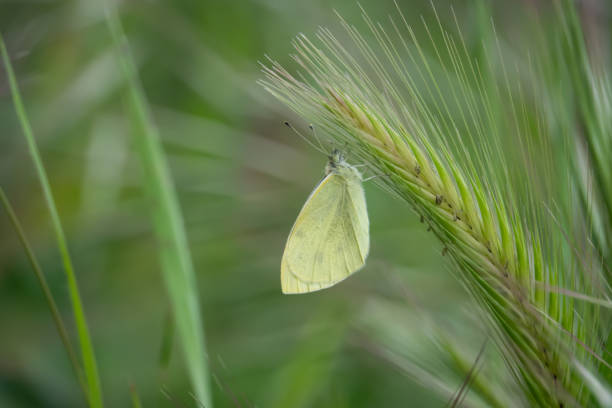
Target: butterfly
330, 239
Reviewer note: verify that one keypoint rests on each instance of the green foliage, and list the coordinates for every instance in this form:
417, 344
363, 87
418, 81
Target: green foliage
439, 145
491, 121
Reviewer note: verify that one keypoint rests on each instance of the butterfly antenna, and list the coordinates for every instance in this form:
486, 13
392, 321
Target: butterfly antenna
314, 134
319, 149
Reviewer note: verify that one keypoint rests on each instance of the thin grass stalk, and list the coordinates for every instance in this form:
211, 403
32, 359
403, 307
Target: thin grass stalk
94, 393
177, 267
471, 374
590, 91
136, 403
57, 317
593, 96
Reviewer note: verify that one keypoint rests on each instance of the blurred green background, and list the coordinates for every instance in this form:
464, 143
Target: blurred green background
241, 177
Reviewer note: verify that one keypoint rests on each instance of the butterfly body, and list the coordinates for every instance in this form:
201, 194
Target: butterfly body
330, 238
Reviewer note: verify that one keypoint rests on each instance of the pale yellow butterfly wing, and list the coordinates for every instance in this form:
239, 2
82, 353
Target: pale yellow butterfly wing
330, 238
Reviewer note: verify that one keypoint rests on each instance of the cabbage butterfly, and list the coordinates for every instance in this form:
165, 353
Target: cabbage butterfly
330, 238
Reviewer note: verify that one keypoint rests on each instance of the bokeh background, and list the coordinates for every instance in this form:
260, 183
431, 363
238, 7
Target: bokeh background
241, 176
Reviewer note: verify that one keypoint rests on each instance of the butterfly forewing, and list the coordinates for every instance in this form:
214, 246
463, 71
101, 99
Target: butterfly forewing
330, 238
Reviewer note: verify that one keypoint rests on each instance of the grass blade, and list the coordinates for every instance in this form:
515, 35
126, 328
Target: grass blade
600, 389
165, 350
87, 352
177, 267
135, 397
57, 318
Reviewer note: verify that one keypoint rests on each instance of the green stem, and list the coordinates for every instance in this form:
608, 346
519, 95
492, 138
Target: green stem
57, 318
135, 397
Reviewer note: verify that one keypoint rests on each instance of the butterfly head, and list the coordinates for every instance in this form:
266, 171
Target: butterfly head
335, 160
337, 164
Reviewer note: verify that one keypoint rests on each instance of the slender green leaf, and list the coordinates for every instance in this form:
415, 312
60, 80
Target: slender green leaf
174, 251
135, 397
